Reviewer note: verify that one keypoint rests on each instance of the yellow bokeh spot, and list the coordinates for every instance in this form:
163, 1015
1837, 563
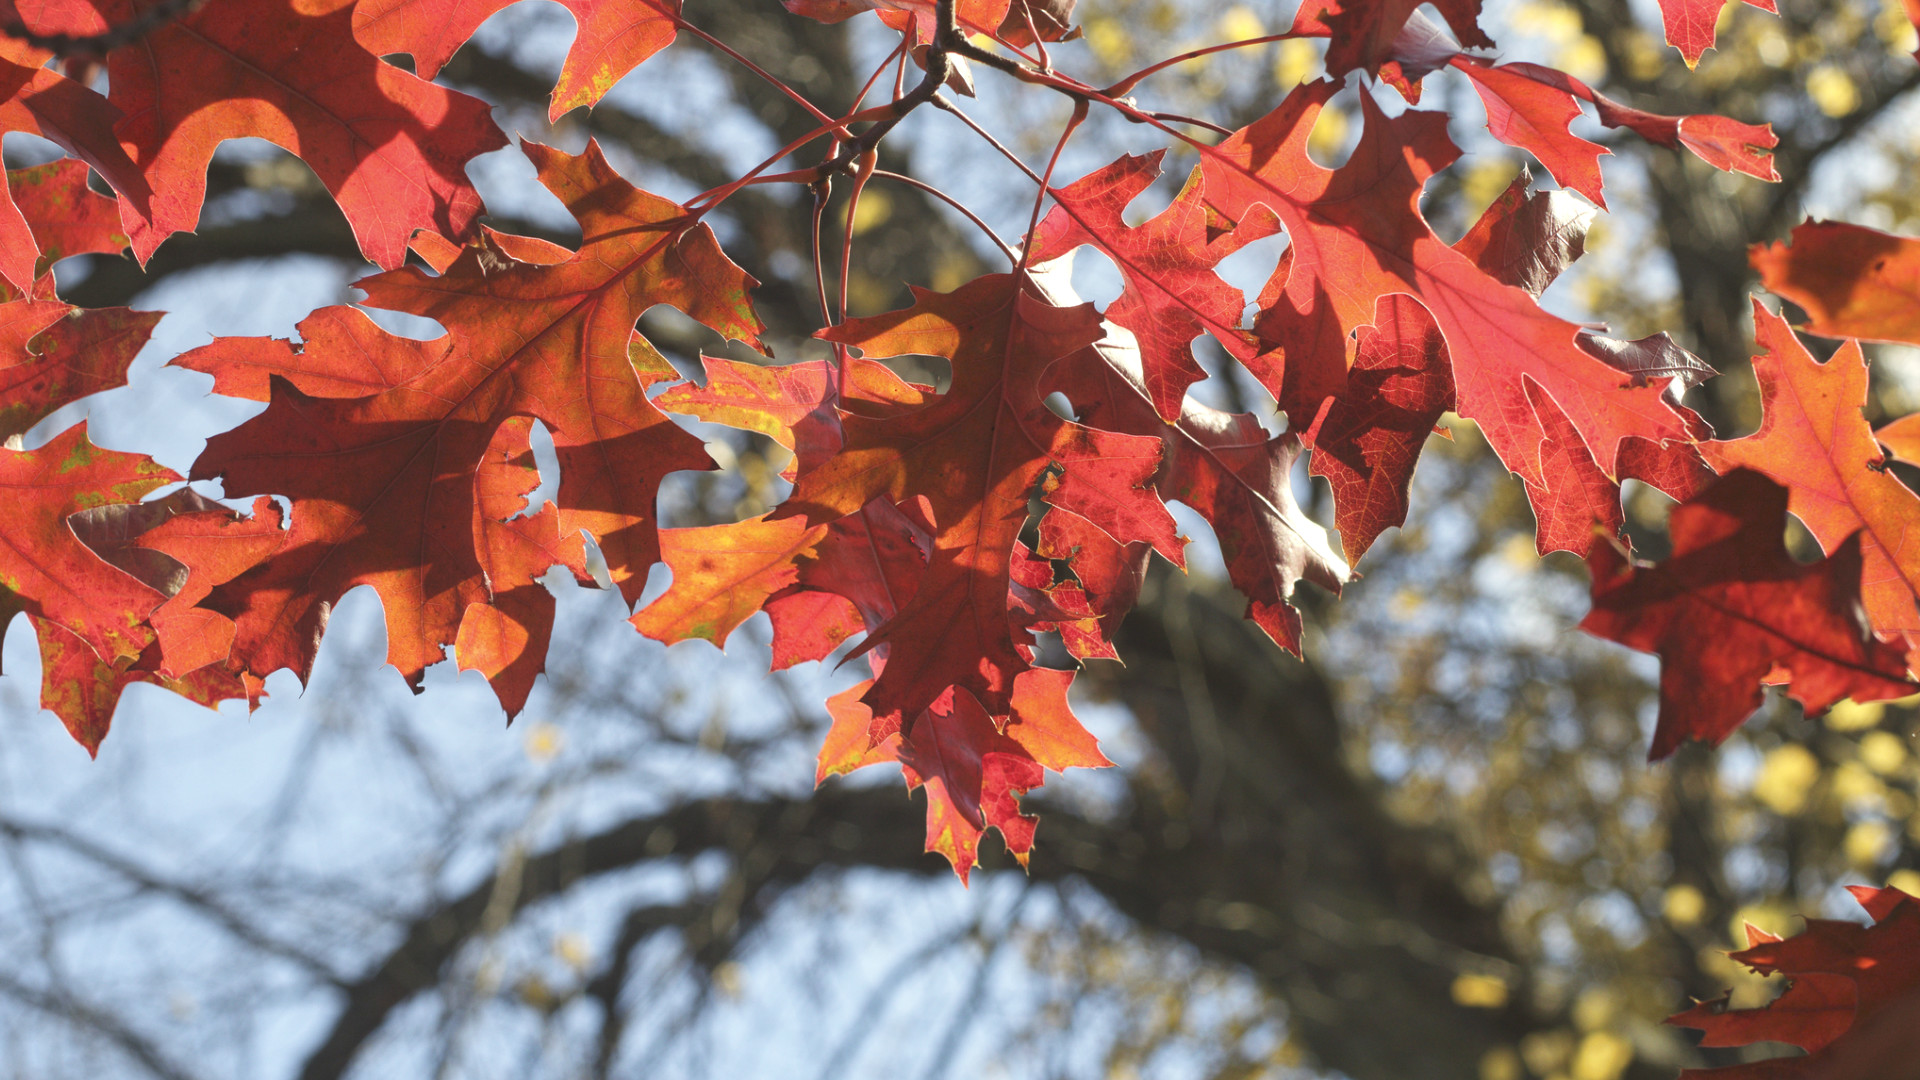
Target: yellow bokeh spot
1485, 179
1545, 1051
729, 978
1109, 40
1883, 752
544, 742
1857, 789
1684, 905
1296, 61
1555, 22
1852, 716
1907, 881
1832, 90
873, 210
1786, 776
1602, 1056
1869, 843
1595, 1008
1480, 991
1501, 1063
1329, 135
1238, 23
1520, 552
1583, 58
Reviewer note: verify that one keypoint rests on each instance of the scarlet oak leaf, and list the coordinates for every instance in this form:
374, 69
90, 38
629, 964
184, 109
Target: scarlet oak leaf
45, 570
1690, 24
52, 355
866, 567
42, 102
1814, 440
65, 216
341, 354
915, 18
215, 546
1528, 239
722, 574
1853, 282
1852, 987
1364, 32
1358, 235
615, 36
506, 639
1530, 106
1172, 295
976, 454
792, 404
391, 147
1367, 441
1730, 606
83, 689
1522, 112
375, 480
973, 771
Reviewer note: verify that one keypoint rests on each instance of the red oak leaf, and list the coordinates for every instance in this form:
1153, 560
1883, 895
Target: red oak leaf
215, 545
865, 569
1853, 988
1535, 118
1369, 438
83, 690
45, 570
1814, 440
1853, 282
1530, 106
1358, 235
376, 480
506, 639
913, 17
391, 147
723, 574
1172, 295
1690, 24
1731, 606
1528, 239
65, 216
1902, 438
792, 404
1365, 32
1109, 575
341, 354
973, 772
42, 102
615, 36
976, 454
52, 355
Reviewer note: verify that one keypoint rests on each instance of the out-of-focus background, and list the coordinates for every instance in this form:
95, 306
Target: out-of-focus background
1432, 850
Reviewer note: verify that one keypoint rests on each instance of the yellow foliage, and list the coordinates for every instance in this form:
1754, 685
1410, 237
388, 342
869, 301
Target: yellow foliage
1852, 716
